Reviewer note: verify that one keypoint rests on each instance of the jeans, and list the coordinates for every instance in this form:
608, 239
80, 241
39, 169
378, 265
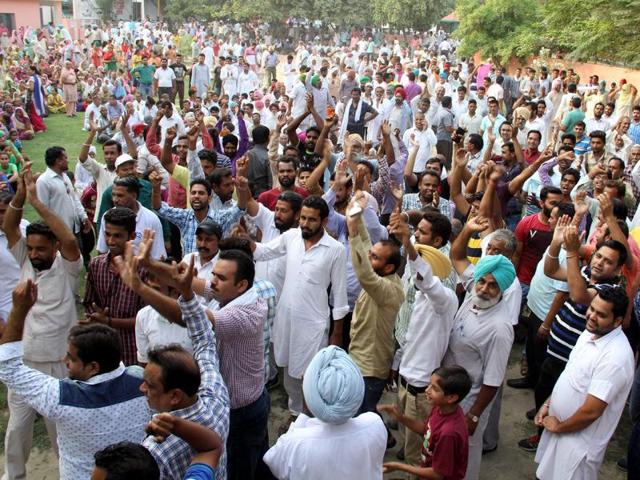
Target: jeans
373, 389
249, 440
145, 90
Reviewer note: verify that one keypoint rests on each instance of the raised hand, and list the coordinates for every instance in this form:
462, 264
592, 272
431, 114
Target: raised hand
25, 295
171, 134
558, 232
182, 276
477, 224
193, 134
242, 166
461, 159
308, 98
155, 178
127, 267
606, 206
385, 128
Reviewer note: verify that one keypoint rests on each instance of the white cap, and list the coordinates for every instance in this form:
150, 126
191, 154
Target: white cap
124, 158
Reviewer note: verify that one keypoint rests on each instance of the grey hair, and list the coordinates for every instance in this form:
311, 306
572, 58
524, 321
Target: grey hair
507, 237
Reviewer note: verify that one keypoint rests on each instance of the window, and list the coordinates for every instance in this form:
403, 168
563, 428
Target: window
67, 8
7, 22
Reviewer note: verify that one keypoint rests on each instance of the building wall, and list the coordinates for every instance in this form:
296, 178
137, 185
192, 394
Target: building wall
26, 12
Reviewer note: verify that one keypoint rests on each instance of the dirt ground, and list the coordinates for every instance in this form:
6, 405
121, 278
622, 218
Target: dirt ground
508, 462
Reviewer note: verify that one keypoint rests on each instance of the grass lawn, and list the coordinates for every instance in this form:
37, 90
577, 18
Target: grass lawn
65, 132
61, 131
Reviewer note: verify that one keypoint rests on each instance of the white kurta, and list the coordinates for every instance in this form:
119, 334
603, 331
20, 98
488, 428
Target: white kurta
603, 368
229, 78
431, 321
480, 342
301, 325
247, 82
272, 270
314, 450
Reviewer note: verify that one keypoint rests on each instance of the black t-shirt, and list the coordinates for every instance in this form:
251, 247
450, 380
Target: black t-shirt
180, 70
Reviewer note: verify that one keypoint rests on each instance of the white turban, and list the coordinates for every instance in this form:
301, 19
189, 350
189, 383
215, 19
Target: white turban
333, 386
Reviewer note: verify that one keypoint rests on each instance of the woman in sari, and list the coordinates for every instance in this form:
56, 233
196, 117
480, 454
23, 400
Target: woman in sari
23, 124
69, 82
36, 91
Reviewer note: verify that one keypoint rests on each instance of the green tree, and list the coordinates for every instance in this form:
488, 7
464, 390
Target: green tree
500, 29
409, 13
605, 30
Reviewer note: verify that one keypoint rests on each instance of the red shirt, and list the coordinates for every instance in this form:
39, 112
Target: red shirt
270, 197
535, 237
445, 447
530, 157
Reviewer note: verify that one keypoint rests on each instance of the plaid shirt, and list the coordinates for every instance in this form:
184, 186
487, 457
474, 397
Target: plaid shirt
186, 221
106, 289
212, 406
411, 201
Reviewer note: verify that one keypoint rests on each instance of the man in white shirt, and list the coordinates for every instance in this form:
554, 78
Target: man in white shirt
247, 81
597, 122
480, 341
103, 174
326, 430
125, 192
153, 330
229, 78
208, 236
170, 119
421, 134
470, 120
57, 192
496, 91
588, 399
164, 80
49, 257
297, 94
431, 320
314, 261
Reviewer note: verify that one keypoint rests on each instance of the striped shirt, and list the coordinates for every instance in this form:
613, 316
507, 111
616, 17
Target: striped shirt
239, 327
211, 409
569, 323
106, 289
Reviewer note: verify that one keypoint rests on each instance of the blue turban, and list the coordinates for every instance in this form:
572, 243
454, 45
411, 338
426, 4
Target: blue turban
497, 265
333, 386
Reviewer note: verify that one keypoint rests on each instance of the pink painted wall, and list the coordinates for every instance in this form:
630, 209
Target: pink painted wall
27, 12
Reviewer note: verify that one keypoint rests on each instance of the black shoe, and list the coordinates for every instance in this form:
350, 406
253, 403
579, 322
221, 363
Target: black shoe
529, 444
273, 383
522, 382
400, 454
622, 464
531, 414
489, 450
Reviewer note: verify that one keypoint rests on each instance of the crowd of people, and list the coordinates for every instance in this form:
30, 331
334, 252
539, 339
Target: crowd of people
335, 215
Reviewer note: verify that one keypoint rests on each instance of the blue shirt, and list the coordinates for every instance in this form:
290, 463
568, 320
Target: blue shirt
187, 222
634, 132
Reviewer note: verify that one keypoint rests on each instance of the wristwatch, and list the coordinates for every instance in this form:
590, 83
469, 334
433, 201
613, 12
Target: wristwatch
472, 417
